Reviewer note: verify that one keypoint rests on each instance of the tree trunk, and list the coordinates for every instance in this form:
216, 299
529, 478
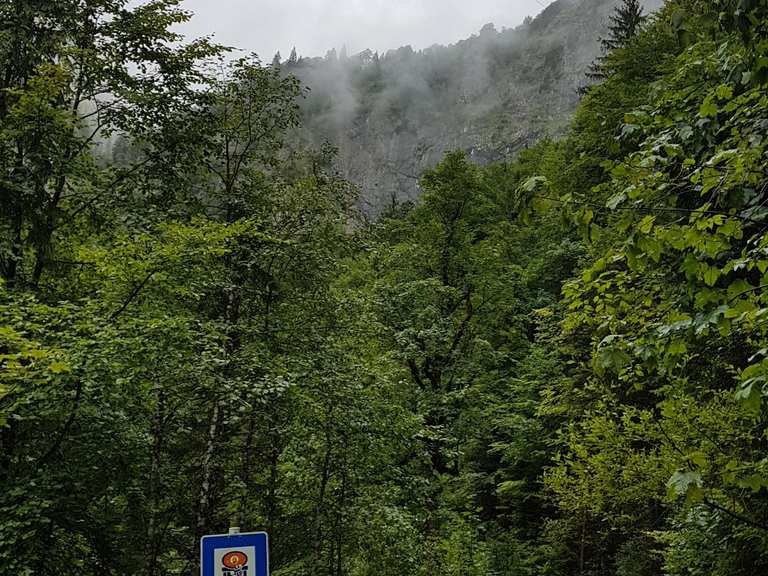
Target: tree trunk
340, 520
274, 457
325, 475
206, 486
7, 447
154, 535
246, 465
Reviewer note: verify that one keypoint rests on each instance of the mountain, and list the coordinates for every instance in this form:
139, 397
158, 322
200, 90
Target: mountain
393, 115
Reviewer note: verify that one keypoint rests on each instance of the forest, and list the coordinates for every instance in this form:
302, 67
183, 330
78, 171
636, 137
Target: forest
554, 364
394, 114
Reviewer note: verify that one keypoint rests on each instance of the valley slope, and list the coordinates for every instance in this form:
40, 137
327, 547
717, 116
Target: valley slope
391, 116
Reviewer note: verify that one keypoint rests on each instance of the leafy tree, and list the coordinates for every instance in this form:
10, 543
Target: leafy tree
553, 365
75, 72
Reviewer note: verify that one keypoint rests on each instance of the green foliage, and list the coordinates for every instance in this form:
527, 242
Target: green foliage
664, 325
552, 366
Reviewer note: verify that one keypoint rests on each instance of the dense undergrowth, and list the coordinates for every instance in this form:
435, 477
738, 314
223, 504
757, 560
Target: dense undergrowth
553, 366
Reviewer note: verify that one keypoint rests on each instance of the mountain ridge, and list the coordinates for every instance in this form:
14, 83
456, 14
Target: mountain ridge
493, 94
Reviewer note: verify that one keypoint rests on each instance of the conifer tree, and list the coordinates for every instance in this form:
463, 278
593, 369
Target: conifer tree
277, 59
625, 23
293, 58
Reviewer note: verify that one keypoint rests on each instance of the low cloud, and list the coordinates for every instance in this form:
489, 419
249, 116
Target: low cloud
316, 26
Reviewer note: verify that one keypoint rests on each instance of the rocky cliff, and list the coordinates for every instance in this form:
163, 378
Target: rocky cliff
393, 115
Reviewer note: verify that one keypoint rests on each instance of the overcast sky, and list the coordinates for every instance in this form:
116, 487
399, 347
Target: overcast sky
315, 26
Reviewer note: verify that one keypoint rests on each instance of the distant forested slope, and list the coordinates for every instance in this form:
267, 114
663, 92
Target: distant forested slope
393, 115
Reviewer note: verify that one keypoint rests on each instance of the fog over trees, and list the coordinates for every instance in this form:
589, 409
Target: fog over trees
490, 309
392, 115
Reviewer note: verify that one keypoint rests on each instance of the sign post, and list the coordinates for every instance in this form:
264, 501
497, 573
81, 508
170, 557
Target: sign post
235, 554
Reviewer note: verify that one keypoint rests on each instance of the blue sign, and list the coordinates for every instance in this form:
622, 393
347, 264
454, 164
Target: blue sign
235, 555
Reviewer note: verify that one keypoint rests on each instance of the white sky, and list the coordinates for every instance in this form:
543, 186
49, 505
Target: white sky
315, 26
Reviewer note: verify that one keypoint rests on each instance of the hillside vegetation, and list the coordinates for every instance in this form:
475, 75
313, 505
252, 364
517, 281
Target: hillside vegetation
393, 115
549, 366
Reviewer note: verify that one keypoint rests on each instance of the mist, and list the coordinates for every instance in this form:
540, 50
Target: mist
394, 113
316, 26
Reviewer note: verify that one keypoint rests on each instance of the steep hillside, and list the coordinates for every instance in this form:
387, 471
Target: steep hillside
393, 115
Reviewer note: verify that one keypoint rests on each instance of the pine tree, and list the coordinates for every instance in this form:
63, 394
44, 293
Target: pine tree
625, 23
293, 58
276, 60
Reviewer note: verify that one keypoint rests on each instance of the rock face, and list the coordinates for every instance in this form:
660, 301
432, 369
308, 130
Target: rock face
393, 115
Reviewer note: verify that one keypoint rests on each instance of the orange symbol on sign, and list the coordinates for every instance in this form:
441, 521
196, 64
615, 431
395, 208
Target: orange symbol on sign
235, 560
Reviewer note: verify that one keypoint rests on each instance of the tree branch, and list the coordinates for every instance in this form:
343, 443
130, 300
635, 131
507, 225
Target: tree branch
70, 421
735, 516
132, 296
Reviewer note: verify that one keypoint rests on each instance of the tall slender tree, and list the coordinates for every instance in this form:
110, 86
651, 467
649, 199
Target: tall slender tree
625, 23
